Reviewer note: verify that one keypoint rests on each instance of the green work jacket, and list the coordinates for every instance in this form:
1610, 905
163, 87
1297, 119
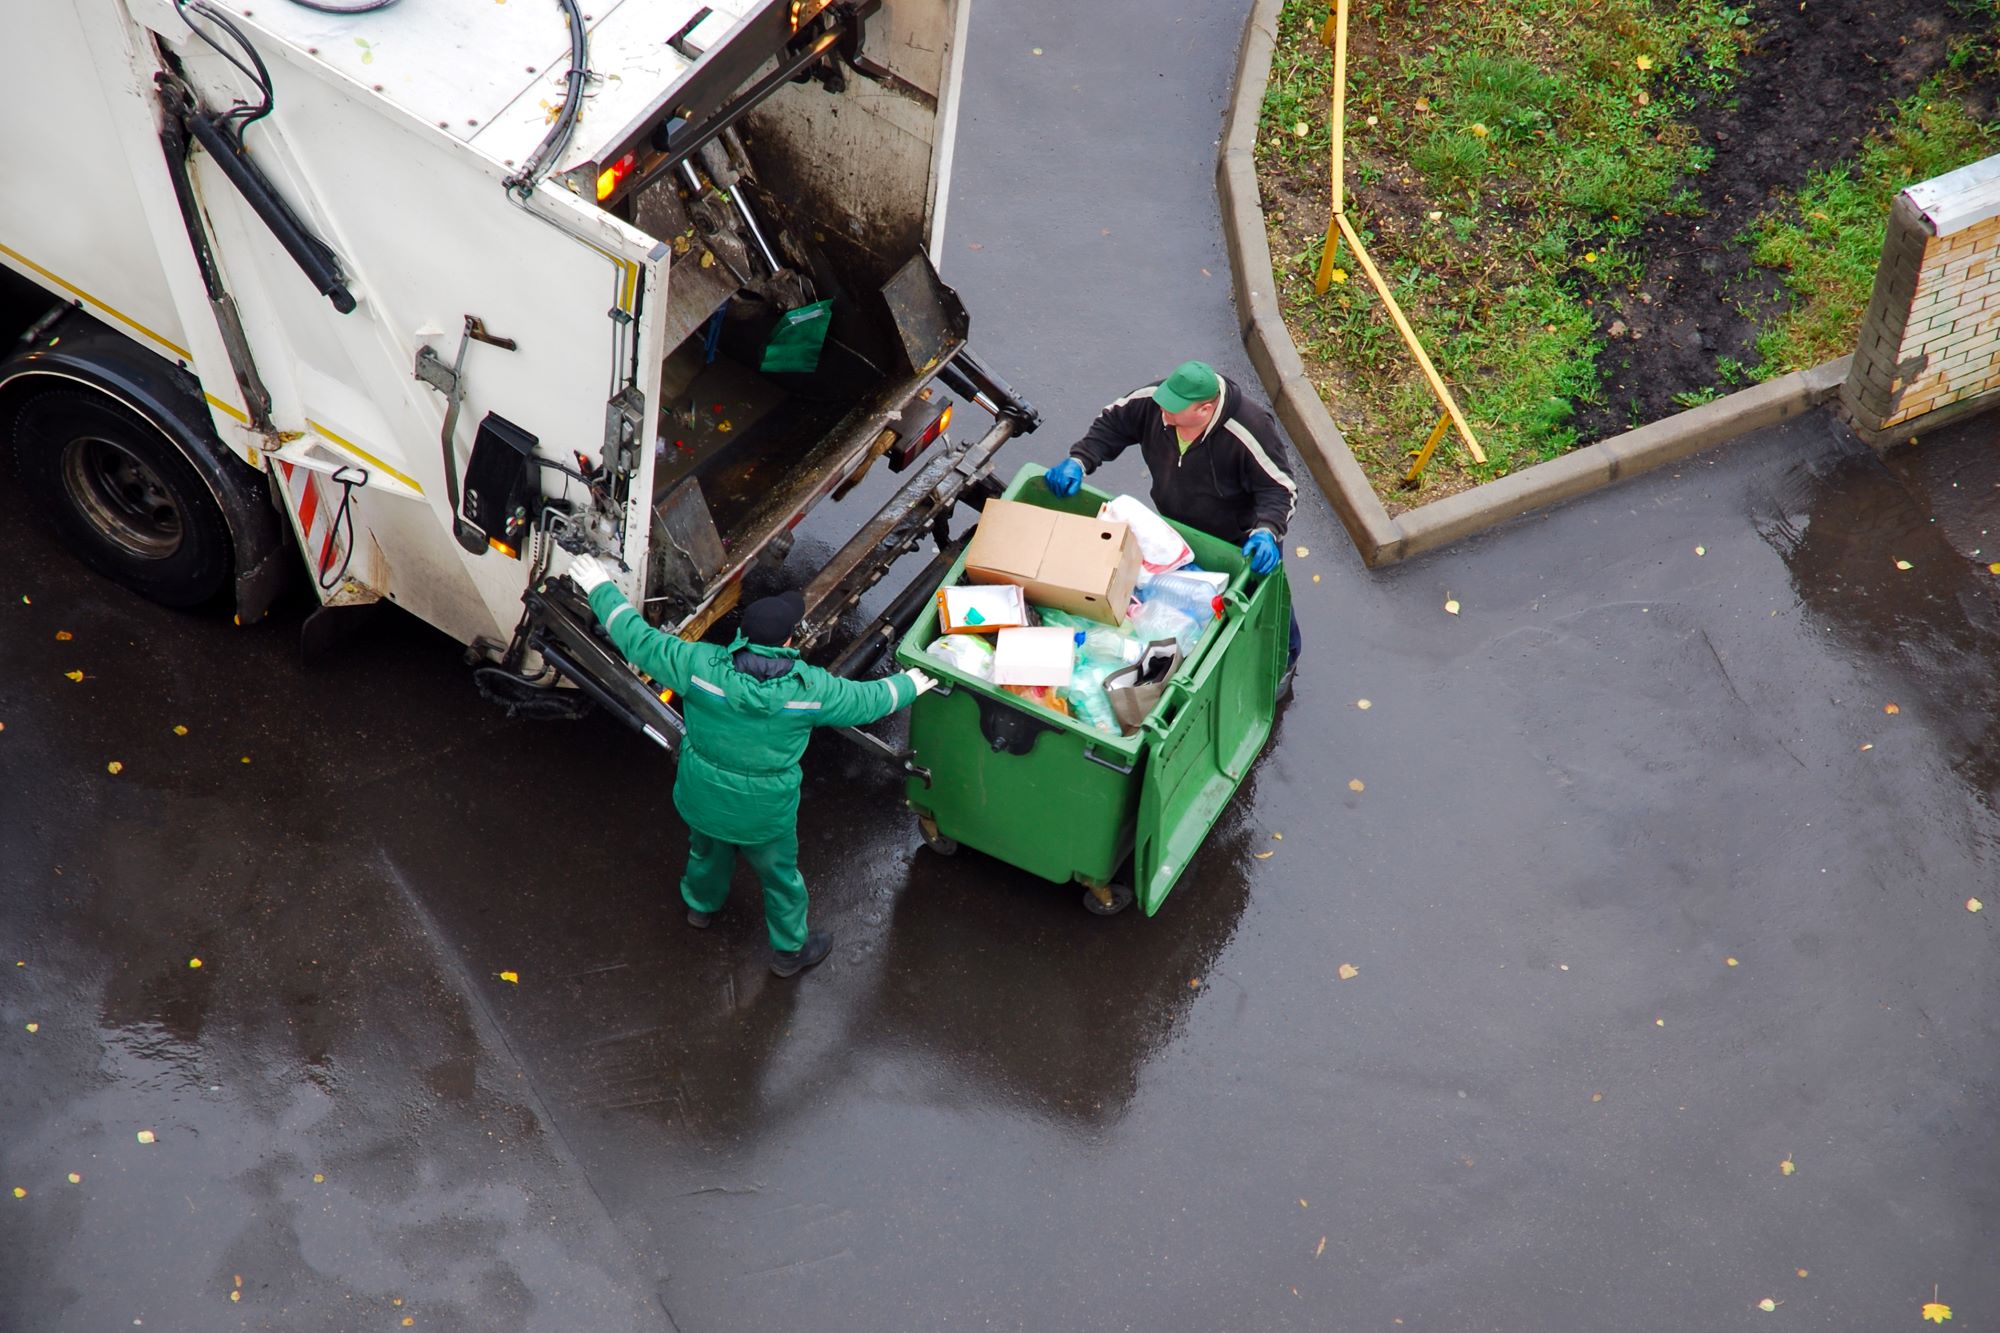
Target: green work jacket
746, 729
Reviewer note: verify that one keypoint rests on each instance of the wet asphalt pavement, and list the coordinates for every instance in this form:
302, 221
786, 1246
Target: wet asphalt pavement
1546, 1100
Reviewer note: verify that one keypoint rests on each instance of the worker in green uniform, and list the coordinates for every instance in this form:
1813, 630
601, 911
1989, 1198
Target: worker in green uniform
750, 708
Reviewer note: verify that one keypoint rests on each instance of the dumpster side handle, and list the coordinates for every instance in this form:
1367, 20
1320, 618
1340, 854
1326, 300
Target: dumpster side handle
1090, 753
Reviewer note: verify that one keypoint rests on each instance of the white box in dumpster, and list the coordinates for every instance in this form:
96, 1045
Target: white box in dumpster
965, 609
1041, 656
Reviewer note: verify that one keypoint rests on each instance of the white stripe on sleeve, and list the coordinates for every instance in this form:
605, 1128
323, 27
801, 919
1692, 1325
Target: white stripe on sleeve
1264, 460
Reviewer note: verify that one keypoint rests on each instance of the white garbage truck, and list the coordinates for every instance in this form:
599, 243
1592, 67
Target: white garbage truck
417, 299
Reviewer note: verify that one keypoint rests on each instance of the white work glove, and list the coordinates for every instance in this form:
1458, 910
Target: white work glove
921, 679
588, 573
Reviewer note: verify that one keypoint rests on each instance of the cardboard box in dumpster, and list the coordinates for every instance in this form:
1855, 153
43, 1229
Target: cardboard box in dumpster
1085, 566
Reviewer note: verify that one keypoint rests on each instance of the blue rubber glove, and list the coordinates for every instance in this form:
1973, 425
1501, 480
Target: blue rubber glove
1064, 478
1262, 552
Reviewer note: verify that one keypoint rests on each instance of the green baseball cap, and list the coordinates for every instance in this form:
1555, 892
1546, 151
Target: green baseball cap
1192, 382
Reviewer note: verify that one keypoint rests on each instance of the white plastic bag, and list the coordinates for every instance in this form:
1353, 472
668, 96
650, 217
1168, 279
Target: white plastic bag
1160, 547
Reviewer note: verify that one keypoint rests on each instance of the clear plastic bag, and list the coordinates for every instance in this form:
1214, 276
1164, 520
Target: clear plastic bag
971, 654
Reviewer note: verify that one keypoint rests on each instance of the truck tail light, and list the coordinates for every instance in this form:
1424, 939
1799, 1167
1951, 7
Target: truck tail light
905, 451
609, 179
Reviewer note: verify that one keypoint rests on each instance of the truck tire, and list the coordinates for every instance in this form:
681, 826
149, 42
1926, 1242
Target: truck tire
122, 496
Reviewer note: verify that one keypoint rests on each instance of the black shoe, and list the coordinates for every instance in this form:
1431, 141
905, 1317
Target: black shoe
819, 943
700, 920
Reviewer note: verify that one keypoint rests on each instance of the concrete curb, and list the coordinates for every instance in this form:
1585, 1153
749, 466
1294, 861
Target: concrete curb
1381, 539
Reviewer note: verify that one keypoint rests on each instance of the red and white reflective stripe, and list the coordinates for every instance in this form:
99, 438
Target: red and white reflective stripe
326, 545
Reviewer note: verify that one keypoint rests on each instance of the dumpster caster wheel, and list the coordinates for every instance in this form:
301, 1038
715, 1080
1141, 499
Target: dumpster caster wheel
934, 840
1106, 899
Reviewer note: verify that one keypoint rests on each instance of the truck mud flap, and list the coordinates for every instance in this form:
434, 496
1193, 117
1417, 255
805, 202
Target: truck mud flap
563, 630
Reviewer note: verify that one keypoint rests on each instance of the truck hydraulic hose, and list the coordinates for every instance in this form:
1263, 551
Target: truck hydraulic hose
557, 139
307, 251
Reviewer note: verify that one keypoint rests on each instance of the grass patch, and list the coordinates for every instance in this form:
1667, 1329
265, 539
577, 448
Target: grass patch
1827, 240
1500, 163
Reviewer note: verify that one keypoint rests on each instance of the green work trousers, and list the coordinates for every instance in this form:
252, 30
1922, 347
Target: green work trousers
705, 887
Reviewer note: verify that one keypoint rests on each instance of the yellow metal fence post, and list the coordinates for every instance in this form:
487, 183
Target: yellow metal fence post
1336, 27
1430, 445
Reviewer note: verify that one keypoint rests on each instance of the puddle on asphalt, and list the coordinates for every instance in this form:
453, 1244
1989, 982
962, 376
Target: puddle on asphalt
1891, 556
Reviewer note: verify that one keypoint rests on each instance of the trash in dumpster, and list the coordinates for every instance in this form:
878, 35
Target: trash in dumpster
1068, 562
1160, 547
970, 653
1163, 620
1042, 656
1135, 691
1048, 696
981, 610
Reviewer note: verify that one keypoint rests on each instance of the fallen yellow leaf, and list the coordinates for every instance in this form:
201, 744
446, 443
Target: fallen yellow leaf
1277, 837
75, 1179
1767, 1305
1337, 275
1321, 1249
1659, 1022
1729, 962
1265, 856
319, 1178
1644, 62
1993, 568
1802, 1272
194, 962
1302, 1203
1936, 1311
64, 636
180, 731
1974, 905
246, 758
1363, 705
114, 768
1349, 971
1477, 130
512, 978
1701, 550
1435, 215
1451, 606
1892, 709
144, 1136
1315, 578
235, 1295
1786, 1167
239, 1279
1194, 983
1597, 1096
1301, 129
1904, 564
1356, 784
34, 1027
724, 427
407, 1321
20, 1193
1866, 746
74, 675
1301, 552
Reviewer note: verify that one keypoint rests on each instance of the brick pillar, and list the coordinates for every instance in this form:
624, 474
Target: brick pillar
1929, 350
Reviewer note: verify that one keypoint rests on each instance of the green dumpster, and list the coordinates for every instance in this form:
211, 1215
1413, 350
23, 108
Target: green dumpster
1062, 800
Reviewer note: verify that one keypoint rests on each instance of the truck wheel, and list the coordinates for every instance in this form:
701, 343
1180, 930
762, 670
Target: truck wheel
934, 840
123, 498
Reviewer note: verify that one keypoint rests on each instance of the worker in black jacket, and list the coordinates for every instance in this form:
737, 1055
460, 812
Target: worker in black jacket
1216, 459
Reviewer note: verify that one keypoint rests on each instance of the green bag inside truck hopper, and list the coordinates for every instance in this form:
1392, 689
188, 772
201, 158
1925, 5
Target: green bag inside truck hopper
1060, 799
